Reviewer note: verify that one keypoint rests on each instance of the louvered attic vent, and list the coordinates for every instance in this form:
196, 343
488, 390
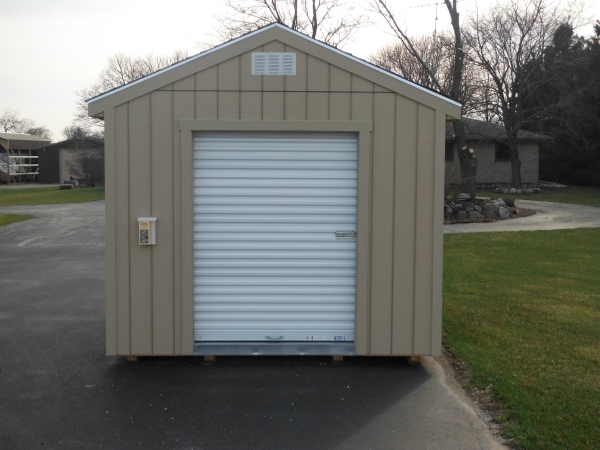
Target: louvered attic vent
271, 63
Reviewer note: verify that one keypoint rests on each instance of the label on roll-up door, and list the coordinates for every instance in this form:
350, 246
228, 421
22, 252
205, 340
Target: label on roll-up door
345, 235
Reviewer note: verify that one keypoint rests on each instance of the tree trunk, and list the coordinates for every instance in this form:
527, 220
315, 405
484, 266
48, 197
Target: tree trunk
515, 162
467, 160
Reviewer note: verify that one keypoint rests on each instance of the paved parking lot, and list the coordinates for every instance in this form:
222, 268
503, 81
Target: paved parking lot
59, 391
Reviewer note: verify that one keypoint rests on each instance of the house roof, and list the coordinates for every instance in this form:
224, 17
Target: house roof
21, 141
72, 143
255, 39
479, 130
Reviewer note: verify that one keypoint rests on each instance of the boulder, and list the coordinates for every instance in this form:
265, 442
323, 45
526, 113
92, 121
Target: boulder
512, 191
477, 208
475, 215
463, 196
503, 213
468, 207
489, 214
461, 215
490, 207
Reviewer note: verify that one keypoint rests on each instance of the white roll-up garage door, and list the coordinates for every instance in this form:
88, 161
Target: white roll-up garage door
274, 245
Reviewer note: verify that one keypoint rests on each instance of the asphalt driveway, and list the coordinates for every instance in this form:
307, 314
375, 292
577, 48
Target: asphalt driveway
59, 391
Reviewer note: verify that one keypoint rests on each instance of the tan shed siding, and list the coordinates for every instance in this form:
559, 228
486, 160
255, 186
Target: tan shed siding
438, 235
206, 95
398, 265
186, 107
382, 221
251, 85
122, 229
340, 85
140, 195
404, 225
424, 230
296, 98
229, 86
273, 102
163, 321
317, 103
111, 245
187, 236
363, 245
362, 109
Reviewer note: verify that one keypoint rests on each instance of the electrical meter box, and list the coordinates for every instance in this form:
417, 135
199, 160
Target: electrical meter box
147, 230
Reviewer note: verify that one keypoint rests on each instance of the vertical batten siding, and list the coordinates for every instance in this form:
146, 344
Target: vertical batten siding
229, 86
404, 226
295, 97
363, 244
398, 297
251, 85
273, 102
317, 102
111, 245
163, 332
186, 106
122, 229
424, 231
362, 110
382, 221
340, 85
206, 95
140, 194
187, 236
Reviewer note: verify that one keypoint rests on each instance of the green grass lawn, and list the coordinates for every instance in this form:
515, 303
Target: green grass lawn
44, 196
578, 195
522, 309
6, 219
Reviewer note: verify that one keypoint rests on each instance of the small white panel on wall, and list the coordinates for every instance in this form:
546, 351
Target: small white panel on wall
147, 230
273, 63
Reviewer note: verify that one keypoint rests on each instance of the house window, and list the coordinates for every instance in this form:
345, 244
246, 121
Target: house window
502, 153
449, 151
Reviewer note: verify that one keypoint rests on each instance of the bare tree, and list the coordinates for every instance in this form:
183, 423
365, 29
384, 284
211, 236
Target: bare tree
121, 69
11, 122
507, 42
455, 89
330, 21
40, 131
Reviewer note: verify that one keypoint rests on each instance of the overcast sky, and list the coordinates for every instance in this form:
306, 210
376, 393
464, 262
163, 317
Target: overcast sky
52, 48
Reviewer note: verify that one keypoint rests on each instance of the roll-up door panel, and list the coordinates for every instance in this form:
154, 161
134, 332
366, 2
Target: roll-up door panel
268, 265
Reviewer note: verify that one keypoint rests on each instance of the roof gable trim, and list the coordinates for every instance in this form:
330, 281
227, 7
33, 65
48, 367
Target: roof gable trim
276, 25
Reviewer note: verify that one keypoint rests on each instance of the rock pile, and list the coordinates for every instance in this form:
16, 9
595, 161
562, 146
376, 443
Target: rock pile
477, 209
518, 191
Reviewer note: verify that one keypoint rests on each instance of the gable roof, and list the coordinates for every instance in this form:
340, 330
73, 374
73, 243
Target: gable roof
479, 130
21, 141
262, 36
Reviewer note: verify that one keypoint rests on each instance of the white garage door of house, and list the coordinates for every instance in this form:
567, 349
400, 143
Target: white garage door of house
274, 245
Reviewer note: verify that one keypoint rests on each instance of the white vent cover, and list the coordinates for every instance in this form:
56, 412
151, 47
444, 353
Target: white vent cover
271, 63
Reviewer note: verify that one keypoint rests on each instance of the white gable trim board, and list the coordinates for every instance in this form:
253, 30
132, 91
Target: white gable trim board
249, 35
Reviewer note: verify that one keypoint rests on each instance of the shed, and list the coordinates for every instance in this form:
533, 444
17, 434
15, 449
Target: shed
60, 161
297, 196
19, 156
